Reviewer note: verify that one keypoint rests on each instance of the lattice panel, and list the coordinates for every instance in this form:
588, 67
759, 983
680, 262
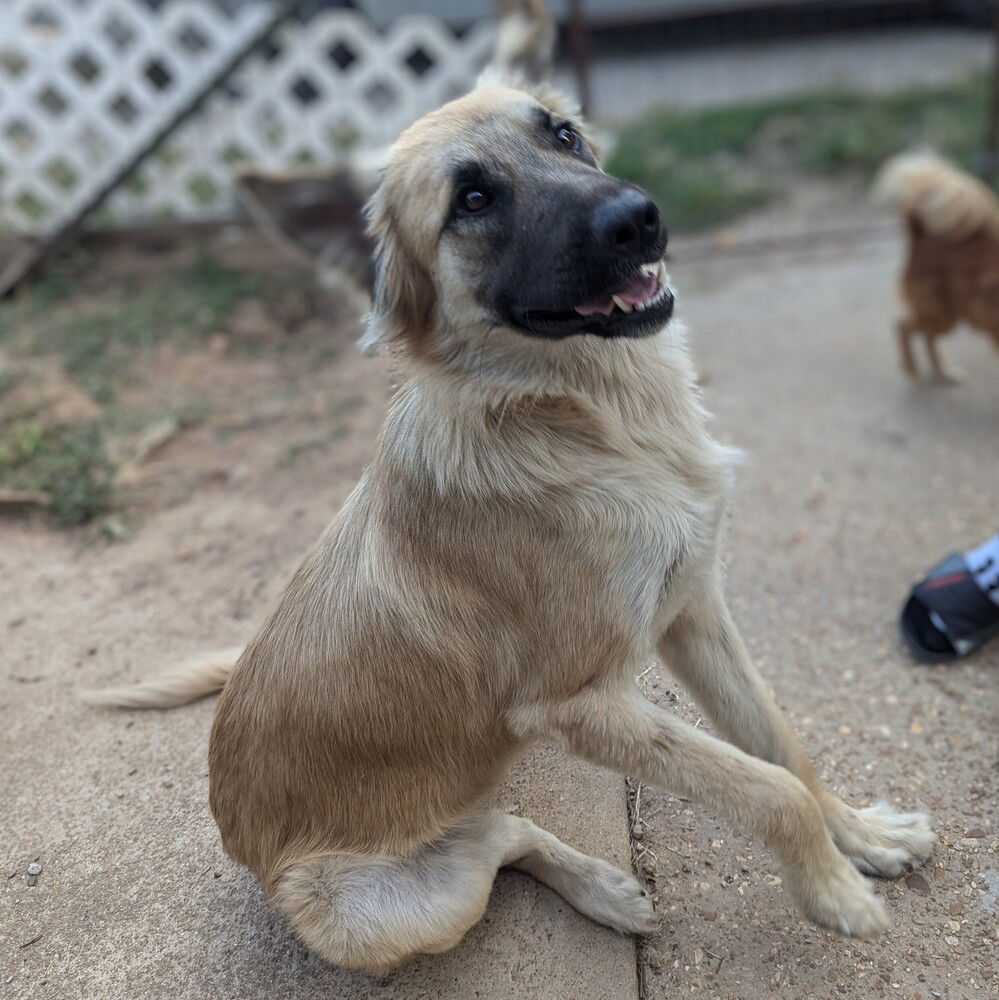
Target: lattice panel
85, 84
326, 88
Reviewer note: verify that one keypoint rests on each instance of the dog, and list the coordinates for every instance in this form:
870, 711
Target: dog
541, 518
952, 274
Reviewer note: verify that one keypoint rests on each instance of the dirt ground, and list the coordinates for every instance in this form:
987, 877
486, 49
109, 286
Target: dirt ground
855, 481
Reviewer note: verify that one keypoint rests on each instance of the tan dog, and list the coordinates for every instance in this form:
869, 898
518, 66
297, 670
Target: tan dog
952, 274
540, 519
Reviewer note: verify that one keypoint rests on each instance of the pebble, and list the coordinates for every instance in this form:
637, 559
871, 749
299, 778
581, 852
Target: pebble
34, 868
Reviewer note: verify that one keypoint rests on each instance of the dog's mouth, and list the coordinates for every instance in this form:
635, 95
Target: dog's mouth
635, 306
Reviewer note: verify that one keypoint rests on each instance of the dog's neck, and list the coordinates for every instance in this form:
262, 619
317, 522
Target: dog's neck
490, 416
498, 367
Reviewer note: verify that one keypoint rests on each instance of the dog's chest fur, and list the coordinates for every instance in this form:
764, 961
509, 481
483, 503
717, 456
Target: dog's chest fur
592, 514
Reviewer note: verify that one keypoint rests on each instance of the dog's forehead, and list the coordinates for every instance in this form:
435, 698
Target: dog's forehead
483, 123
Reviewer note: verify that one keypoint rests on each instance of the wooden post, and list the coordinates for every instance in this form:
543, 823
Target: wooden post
579, 53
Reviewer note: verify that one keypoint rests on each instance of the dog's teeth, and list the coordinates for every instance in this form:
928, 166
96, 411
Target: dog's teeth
640, 306
661, 272
621, 304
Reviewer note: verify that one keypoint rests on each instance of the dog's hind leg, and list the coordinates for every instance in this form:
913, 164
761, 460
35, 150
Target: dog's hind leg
373, 913
939, 372
905, 330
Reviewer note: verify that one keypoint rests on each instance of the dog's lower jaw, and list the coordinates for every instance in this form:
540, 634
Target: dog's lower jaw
619, 325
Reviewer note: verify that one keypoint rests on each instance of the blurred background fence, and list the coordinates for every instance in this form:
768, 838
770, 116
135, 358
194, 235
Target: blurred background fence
96, 95
87, 86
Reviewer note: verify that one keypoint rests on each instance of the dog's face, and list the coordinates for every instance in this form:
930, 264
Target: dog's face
494, 213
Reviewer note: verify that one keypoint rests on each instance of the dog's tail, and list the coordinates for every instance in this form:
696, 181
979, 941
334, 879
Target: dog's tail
525, 44
199, 677
937, 197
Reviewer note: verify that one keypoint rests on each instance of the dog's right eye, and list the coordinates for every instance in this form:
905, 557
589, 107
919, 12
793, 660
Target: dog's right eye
474, 199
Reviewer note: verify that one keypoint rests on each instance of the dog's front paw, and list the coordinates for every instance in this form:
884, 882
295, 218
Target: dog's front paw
881, 841
840, 899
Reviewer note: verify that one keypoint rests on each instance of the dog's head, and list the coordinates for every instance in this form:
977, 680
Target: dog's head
494, 213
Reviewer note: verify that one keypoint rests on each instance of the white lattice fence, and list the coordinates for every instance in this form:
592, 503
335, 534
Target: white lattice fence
84, 84
326, 88
332, 85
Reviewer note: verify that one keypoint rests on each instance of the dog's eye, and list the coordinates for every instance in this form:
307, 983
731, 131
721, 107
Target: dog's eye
568, 137
474, 199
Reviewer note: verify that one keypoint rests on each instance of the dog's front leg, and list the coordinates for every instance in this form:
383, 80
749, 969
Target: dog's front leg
703, 648
621, 730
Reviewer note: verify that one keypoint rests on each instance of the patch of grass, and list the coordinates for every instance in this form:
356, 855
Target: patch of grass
98, 338
69, 464
710, 165
99, 344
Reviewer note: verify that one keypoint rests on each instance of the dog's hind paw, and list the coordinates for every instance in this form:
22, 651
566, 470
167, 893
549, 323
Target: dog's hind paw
614, 898
881, 841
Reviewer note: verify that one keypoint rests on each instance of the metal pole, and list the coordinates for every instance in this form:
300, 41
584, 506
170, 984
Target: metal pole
991, 165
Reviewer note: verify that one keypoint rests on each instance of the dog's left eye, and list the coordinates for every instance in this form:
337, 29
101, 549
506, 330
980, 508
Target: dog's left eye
474, 199
567, 137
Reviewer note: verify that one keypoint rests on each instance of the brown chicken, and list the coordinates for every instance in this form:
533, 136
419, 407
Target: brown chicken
952, 273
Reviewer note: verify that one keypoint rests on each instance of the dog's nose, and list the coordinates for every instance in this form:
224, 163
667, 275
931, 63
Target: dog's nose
628, 223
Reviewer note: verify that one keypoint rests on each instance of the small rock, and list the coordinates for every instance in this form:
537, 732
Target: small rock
168, 784
917, 882
975, 834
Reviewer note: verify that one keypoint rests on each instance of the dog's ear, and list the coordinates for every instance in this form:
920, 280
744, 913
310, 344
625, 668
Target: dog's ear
403, 297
